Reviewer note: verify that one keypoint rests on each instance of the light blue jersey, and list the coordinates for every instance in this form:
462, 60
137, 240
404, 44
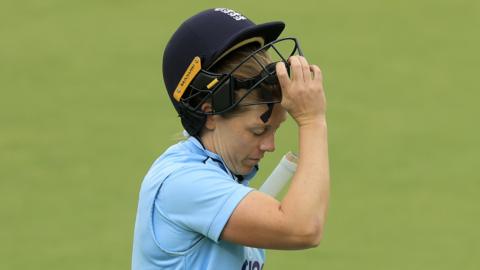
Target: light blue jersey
185, 201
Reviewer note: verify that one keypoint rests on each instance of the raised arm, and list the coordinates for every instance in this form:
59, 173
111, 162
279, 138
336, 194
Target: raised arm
297, 221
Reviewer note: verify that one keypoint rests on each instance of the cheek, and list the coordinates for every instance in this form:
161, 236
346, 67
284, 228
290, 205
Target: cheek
243, 142
232, 138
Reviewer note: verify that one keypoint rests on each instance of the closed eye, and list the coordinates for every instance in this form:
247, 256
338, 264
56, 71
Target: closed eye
258, 132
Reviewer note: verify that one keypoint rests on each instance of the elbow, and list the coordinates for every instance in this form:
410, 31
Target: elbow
311, 235
314, 236
315, 241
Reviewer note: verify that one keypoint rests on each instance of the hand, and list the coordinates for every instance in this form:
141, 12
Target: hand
302, 94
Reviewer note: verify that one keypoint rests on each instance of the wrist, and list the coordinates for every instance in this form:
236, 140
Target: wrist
319, 121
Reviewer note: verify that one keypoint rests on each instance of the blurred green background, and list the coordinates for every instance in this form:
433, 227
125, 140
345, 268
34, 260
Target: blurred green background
83, 114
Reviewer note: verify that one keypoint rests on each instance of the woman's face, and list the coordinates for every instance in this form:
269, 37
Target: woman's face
243, 139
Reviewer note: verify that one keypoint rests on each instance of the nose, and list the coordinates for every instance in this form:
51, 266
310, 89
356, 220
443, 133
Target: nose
268, 143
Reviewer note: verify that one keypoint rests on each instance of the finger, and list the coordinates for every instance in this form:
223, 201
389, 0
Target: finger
307, 75
317, 73
282, 74
296, 68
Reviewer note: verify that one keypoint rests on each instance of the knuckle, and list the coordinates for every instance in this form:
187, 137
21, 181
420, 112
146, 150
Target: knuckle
294, 57
316, 68
295, 64
282, 73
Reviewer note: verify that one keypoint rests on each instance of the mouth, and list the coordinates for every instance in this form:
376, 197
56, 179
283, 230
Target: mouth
252, 161
255, 160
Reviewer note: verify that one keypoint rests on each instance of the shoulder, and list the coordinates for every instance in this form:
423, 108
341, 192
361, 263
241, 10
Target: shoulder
173, 160
182, 168
193, 190
196, 177
194, 167
200, 197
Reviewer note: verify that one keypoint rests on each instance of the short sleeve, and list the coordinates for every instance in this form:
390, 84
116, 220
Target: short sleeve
200, 199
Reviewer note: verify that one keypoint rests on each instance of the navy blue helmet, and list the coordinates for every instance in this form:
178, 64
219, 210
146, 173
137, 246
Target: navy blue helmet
202, 41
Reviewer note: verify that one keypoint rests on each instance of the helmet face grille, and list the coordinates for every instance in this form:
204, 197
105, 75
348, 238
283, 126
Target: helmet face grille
222, 95
222, 90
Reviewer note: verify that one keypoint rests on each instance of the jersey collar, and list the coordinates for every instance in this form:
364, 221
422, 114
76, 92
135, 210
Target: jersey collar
197, 144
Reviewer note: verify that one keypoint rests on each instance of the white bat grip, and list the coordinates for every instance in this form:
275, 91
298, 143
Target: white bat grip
280, 175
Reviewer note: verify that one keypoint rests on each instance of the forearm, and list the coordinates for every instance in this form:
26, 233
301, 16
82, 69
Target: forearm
306, 201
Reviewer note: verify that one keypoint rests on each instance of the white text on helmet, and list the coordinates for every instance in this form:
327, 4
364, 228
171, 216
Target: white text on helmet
235, 15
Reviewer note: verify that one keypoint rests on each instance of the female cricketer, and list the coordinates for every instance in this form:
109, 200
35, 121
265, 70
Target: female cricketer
232, 87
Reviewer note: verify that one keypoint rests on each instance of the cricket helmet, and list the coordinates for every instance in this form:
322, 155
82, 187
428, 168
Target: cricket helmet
202, 41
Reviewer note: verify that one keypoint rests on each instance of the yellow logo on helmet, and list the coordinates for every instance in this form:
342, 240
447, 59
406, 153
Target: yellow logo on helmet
187, 78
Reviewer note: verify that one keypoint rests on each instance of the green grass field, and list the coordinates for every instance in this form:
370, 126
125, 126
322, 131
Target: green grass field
83, 114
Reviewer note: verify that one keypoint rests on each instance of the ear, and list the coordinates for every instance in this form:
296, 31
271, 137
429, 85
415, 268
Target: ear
210, 123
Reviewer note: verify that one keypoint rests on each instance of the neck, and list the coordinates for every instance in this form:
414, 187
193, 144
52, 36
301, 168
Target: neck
206, 140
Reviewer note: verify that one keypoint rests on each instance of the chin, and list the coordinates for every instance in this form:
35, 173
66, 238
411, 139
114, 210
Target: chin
246, 169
